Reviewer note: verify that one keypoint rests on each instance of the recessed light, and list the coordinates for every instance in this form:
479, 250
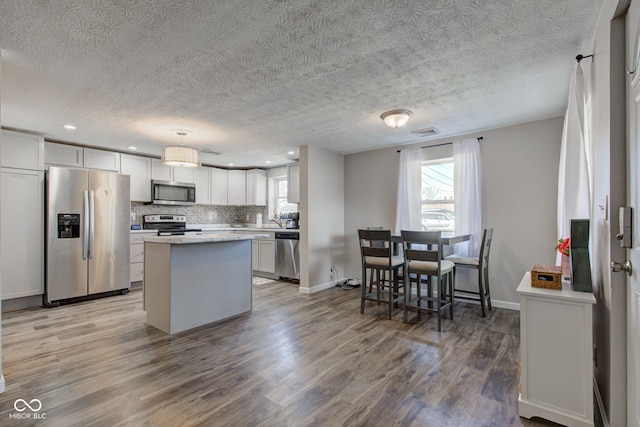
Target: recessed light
267, 161
291, 153
69, 127
131, 147
230, 164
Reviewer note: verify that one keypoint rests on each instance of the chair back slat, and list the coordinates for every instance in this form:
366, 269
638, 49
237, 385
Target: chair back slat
485, 248
375, 243
422, 255
376, 251
422, 246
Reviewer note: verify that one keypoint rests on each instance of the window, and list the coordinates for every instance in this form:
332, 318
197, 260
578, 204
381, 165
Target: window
280, 187
437, 195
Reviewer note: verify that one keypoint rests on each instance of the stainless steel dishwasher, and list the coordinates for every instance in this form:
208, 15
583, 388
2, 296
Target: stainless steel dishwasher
287, 255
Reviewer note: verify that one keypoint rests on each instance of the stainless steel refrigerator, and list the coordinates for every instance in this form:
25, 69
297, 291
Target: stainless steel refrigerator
87, 233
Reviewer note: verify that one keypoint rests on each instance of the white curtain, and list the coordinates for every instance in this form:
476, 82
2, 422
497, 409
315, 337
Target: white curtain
467, 195
575, 181
409, 191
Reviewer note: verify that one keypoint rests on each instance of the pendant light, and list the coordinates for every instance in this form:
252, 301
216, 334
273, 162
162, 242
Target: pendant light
396, 118
180, 155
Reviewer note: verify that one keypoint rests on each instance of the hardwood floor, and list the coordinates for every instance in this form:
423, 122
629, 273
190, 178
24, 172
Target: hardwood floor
295, 360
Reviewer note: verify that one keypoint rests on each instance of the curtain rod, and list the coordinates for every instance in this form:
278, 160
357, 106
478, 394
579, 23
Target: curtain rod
480, 138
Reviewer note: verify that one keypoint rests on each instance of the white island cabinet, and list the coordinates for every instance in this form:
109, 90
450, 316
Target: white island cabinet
556, 371
193, 280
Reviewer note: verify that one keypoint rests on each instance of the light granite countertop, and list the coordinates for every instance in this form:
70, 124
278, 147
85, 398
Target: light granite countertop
203, 238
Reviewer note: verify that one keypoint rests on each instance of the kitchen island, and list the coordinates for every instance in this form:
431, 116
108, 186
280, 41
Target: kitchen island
193, 280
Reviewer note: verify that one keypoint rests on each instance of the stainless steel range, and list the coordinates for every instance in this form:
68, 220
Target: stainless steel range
167, 224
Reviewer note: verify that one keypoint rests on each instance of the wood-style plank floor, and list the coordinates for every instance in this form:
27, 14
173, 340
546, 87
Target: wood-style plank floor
295, 360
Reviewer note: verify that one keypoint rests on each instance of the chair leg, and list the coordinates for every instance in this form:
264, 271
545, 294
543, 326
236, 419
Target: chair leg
486, 287
375, 280
419, 294
407, 295
390, 293
452, 279
439, 302
481, 291
364, 289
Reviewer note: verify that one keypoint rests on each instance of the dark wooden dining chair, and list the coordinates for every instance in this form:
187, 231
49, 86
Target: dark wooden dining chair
481, 263
423, 257
381, 267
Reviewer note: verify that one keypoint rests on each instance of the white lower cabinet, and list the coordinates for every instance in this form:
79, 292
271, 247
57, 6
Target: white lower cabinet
22, 230
137, 255
267, 251
264, 253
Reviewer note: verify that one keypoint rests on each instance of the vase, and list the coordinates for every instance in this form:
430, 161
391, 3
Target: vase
566, 267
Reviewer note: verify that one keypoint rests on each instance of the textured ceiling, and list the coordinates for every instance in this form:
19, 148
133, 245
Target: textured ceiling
254, 79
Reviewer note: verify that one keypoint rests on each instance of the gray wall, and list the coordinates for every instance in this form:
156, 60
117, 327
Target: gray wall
322, 217
519, 199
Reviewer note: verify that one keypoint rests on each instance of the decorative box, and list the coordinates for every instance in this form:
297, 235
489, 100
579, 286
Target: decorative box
546, 276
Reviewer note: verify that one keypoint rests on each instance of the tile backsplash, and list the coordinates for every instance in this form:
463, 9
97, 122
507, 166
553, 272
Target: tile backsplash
203, 214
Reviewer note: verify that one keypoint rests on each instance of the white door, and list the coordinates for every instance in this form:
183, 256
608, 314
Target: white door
633, 200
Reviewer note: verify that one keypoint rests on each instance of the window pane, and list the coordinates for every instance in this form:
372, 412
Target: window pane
282, 205
437, 195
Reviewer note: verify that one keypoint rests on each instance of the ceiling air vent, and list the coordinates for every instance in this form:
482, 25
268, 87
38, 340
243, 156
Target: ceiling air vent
209, 151
426, 132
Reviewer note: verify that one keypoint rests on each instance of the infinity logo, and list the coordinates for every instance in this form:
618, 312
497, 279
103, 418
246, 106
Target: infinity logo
24, 405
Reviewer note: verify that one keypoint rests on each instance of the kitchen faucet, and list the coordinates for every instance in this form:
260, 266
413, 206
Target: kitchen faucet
275, 215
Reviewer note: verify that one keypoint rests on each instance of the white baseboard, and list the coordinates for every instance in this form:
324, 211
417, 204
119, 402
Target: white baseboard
599, 403
317, 288
1, 383
497, 303
506, 304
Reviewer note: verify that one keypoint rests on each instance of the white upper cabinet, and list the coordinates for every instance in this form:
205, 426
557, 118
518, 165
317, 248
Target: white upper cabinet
202, 180
257, 187
21, 150
237, 187
139, 169
79, 157
63, 155
184, 175
102, 160
161, 172
293, 183
219, 182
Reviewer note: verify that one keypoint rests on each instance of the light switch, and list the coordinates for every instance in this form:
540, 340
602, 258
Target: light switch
604, 208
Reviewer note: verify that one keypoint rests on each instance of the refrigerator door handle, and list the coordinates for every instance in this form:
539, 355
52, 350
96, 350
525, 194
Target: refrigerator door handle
85, 223
91, 223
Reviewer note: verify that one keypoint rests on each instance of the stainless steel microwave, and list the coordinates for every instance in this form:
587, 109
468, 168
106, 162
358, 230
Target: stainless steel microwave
172, 193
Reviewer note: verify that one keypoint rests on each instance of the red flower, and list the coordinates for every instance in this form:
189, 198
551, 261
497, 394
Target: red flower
563, 246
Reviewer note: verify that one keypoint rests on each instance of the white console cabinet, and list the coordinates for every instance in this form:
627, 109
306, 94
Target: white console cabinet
556, 364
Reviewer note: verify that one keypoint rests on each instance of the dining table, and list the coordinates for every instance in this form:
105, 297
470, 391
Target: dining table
448, 238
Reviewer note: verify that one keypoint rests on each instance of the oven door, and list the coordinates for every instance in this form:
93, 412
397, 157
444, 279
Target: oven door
173, 193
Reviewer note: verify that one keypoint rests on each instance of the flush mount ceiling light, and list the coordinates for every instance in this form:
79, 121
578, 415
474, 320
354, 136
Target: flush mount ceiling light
396, 118
180, 155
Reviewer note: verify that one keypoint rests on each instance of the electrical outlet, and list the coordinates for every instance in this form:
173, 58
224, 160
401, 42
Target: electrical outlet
212, 214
